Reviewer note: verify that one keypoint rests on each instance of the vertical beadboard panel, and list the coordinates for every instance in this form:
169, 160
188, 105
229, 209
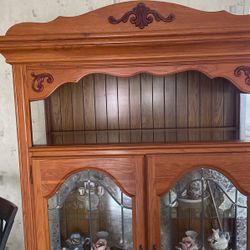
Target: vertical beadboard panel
112, 102
89, 108
217, 107
124, 109
66, 113
135, 108
78, 111
147, 107
112, 109
170, 107
89, 102
147, 100
205, 107
100, 102
181, 105
100, 108
158, 109
186, 106
194, 105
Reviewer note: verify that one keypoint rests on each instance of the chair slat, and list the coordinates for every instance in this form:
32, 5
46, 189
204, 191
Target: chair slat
8, 212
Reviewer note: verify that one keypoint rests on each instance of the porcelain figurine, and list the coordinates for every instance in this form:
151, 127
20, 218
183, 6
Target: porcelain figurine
192, 234
189, 242
101, 244
219, 240
102, 235
194, 190
76, 242
170, 199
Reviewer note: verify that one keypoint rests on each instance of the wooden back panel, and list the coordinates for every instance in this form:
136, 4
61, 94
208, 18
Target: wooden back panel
143, 109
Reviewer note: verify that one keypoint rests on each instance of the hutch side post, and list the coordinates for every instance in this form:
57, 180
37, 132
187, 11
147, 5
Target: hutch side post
24, 142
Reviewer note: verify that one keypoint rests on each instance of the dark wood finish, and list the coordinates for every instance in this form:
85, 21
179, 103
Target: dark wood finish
123, 95
38, 81
217, 107
136, 85
245, 70
66, 113
194, 97
206, 107
141, 16
7, 215
78, 110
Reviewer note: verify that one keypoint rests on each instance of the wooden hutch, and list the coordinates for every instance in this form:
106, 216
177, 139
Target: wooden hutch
142, 145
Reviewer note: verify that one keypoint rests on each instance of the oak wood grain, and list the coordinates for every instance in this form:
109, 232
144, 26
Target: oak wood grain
103, 109
127, 173
24, 142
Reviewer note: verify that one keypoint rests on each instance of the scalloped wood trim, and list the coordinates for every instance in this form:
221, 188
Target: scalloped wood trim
74, 75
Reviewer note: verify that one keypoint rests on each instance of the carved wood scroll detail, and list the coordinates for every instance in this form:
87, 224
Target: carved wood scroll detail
38, 80
141, 16
246, 70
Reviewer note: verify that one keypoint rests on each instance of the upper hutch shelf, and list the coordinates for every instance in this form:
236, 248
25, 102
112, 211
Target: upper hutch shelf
103, 109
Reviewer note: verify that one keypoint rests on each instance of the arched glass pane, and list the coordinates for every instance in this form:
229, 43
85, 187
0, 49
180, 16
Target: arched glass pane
88, 211
204, 210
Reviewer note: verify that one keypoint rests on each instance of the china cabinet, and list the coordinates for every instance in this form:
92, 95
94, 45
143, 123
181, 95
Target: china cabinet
129, 128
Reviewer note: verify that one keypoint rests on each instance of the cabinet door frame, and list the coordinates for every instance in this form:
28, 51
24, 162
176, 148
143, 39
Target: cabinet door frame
48, 174
163, 171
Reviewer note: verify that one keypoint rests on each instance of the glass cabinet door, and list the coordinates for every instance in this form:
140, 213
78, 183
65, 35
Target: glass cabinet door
90, 211
198, 201
92, 203
203, 210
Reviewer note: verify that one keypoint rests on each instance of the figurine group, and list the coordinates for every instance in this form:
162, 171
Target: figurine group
218, 241
77, 242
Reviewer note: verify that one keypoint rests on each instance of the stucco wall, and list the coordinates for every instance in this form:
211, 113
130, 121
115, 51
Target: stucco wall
15, 11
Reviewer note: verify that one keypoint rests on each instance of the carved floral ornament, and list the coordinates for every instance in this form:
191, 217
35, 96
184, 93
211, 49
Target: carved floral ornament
243, 69
141, 16
39, 79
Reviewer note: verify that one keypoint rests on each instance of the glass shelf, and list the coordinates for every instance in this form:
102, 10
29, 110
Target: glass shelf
89, 210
